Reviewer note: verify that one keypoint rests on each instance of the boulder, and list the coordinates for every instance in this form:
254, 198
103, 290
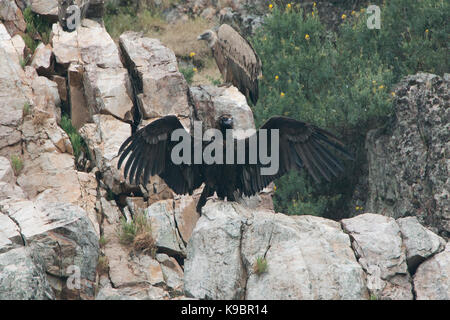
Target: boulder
63, 237
167, 238
307, 257
172, 273
432, 279
12, 17
42, 59
160, 88
213, 268
105, 81
420, 243
46, 8
22, 276
408, 160
377, 242
14, 95
104, 148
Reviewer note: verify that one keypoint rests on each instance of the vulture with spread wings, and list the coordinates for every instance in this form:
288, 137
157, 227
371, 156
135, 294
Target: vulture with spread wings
301, 145
236, 59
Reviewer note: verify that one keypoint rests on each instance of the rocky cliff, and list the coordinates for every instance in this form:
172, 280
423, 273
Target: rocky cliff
64, 212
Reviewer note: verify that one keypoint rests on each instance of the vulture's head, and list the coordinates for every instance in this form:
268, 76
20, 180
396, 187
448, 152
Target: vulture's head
226, 122
209, 36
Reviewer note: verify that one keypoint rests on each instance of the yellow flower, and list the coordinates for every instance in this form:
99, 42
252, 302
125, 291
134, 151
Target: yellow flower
314, 4
363, 10
288, 6
373, 82
194, 69
357, 208
192, 54
270, 6
426, 31
381, 87
276, 77
274, 188
297, 49
393, 93
353, 12
282, 94
307, 36
344, 17
312, 13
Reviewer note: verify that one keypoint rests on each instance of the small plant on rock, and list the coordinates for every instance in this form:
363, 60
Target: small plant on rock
260, 265
26, 109
17, 164
138, 233
102, 265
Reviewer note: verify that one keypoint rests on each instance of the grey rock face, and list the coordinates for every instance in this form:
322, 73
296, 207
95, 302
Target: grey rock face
213, 268
161, 89
22, 276
420, 243
377, 242
432, 279
307, 257
408, 160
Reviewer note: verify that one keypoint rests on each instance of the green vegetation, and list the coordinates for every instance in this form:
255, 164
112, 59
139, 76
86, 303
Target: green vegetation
78, 144
37, 28
260, 266
102, 241
16, 164
343, 81
138, 233
26, 109
188, 74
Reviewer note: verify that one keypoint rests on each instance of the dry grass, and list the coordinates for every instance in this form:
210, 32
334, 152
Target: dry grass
182, 38
102, 265
209, 74
138, 233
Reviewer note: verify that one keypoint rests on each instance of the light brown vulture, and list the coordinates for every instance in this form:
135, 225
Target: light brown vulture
301, 145
236, 59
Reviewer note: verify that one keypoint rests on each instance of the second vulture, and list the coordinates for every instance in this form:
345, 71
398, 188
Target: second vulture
236, 59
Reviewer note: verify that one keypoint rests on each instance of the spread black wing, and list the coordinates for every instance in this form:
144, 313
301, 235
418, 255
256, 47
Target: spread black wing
149, 153
301, 145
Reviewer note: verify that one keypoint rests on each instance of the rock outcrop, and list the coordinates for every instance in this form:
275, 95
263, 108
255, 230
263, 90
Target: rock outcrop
105, 81
311, 258
408, 160
160, 88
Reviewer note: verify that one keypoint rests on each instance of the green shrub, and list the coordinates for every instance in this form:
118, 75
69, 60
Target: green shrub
137, 232
188, 74
342, 81
78, 144
16, 164
260, 265
36, 26
26, 109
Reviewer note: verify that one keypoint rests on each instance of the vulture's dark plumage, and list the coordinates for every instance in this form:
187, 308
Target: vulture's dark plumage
236, 59
301, 145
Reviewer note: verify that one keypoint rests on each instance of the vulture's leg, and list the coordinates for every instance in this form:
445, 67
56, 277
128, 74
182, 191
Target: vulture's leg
207, 192
226, 85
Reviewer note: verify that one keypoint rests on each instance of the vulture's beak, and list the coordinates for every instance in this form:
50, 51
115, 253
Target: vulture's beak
202, 36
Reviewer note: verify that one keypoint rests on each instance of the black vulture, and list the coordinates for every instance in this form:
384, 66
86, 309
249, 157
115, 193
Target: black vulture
295, 144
